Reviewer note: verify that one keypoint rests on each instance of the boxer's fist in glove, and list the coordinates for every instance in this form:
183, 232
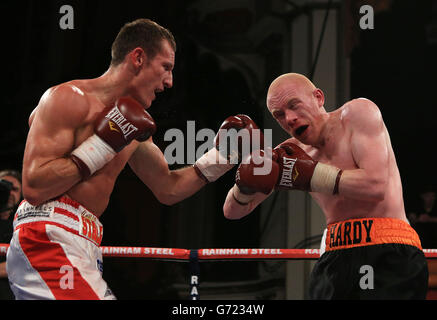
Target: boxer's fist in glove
291, 168
248, 181
236, 135
238, 142
299, 171
125, 121
114, 129
297, 167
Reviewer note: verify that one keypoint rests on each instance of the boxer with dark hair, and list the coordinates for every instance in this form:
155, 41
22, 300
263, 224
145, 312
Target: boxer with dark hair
344, 158
143, 33
82, 134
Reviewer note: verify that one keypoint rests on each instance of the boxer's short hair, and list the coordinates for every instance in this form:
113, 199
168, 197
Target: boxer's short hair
143, 33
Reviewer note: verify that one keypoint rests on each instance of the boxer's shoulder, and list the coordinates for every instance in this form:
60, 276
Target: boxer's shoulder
360, 113
70, 95
65, 101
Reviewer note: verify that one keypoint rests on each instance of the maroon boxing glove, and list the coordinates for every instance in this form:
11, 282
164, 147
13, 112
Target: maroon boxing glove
299, 171
237, 134
114, 129
126, 120
291, 168
240, 140
248, 182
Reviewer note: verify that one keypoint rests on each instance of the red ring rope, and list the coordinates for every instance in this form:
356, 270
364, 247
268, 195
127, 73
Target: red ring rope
214, 253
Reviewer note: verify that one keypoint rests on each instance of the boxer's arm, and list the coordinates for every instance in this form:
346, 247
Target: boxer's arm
234, 210
47, 171
169, 186
369, 147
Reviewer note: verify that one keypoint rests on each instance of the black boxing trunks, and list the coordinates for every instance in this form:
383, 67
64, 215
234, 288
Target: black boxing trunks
372, 258
55, 253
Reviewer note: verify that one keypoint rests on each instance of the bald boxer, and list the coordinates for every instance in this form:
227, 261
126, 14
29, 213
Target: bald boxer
82, 134
345, 160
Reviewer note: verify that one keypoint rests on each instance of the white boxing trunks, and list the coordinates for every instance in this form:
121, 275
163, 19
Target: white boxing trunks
54, 253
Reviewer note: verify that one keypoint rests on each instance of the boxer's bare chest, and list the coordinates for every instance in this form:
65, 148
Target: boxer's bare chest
95, 191
336, 149
96, 107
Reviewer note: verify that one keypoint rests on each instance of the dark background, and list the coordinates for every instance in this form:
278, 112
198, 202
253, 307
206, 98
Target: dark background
394, 65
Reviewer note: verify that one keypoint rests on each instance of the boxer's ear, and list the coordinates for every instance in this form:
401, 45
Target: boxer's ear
137, 58
320, 96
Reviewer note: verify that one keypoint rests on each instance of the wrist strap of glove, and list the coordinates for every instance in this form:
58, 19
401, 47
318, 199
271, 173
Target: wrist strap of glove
212, 165
92, 155
325, 179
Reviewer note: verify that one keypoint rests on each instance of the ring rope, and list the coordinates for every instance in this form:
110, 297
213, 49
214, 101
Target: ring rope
183, 255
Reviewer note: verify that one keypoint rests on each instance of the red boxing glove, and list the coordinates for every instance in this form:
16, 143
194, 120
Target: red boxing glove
114, 129
240, 144
230, 147
291, 168
126, 121
248, 182
299, 171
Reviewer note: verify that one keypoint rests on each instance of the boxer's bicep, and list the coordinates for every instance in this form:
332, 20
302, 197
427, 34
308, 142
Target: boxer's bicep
52, 133
370, 153
368, 143
51, 137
